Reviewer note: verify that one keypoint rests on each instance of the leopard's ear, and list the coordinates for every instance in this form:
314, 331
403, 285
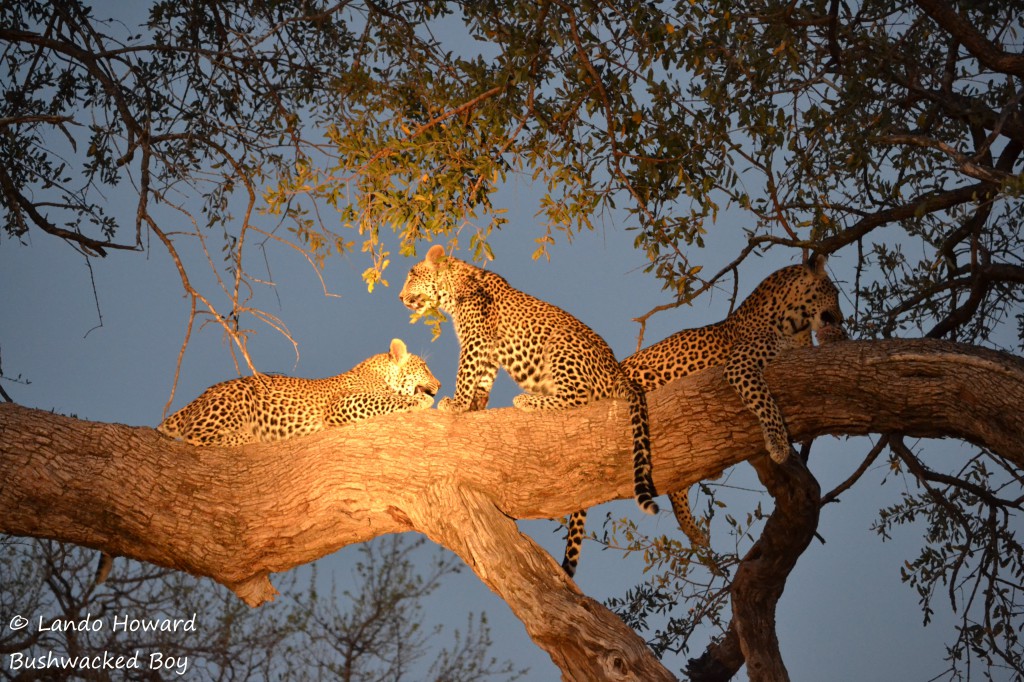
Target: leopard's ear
816, 264
398, 351
435, 254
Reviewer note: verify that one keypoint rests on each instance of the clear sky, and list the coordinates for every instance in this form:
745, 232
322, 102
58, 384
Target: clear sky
845, 614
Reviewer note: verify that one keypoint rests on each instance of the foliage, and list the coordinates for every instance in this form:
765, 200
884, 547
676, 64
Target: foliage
374, 630
375, 633
680, 574
825, 125
972, 554
202, 103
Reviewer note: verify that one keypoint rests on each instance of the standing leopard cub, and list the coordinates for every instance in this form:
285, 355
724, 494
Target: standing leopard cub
780, 313
559, 361
267, 408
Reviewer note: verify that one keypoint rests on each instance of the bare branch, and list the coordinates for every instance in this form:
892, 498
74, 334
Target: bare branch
20, 204
869, 459
925, 203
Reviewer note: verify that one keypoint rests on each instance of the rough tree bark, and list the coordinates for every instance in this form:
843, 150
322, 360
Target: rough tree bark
237, 515
761, 578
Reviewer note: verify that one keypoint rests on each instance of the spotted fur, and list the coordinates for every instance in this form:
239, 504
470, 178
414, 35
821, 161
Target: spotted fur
268, 407
780, 313
559, 361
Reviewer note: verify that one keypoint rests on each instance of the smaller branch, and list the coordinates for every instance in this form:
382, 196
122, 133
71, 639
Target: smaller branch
1009, 122
780, 214
967, 165
876, 450
95, 297
922, 204
981, 282
976, 43
191, 291
925, 476
897, 446
271, 236
708, 284
181, 356
10, 121
19, 203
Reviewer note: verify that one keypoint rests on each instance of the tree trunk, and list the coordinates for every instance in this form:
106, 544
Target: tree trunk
238, 514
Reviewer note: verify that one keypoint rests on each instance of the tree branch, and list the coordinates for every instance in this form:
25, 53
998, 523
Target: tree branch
761, 578
586, 640
922, 204
976, 43
238, 514
19, 203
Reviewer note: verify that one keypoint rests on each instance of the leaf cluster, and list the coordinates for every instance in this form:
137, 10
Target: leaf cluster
972, 554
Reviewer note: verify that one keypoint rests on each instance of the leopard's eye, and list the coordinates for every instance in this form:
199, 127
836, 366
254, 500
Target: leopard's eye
827, 317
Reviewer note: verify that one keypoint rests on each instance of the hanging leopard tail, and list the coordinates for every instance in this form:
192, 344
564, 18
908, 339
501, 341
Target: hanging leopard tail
577, 530
643, 483
680, 500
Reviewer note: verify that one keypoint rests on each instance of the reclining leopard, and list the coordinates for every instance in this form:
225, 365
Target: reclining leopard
559, 361
267, 408
780, 313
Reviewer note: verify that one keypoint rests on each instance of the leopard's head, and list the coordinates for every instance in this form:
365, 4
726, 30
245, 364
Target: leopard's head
815, 299
421, 290
409, 373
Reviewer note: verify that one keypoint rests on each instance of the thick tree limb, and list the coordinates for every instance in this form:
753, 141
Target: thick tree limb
538, 591
761, 579
237, 515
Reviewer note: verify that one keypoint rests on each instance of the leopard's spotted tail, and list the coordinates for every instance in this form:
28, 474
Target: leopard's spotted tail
574, 541
643, 483
680, 500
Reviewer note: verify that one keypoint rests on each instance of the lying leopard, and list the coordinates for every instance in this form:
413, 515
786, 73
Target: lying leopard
268, 408
780, 313
559, 361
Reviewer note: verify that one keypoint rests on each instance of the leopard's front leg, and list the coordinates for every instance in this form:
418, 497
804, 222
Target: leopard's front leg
477, 371
744, 371
356, 406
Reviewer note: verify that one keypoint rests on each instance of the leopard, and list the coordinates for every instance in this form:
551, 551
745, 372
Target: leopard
555, 358
781, 313
266, 408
